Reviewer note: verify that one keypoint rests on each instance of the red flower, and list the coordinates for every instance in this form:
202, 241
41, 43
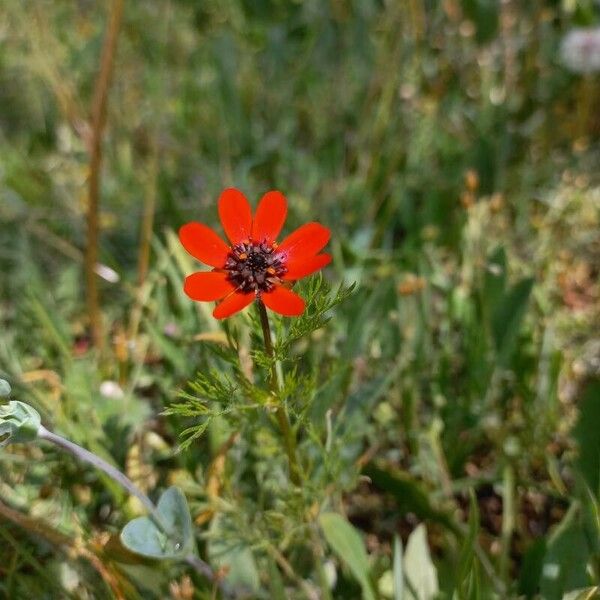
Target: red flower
254, 266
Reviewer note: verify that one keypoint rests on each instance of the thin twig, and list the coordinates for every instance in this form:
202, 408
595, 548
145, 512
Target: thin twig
98, 119
280, 412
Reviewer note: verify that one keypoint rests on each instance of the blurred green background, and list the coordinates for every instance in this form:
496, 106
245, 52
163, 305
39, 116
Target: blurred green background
456, 160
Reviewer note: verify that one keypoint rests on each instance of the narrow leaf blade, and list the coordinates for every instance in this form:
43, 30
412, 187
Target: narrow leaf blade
348, 545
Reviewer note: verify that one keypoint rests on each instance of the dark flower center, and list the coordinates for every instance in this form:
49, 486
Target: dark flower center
254, 266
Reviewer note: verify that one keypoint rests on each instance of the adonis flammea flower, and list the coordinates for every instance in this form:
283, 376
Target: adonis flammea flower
580, 50
253, 266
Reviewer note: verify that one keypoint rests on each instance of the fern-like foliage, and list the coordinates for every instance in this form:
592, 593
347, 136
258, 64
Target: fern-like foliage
319, 302
228, 392
210, 394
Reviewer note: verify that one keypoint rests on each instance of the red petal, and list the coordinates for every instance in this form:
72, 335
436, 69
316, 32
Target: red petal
236, 215
301, 268
232, 304
305, 242
205, 287
270, 216
284, 301
204, 244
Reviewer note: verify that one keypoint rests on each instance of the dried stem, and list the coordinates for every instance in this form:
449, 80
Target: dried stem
98, 121
280, 412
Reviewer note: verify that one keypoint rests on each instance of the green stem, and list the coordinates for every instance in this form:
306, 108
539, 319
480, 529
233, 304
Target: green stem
319, 561
86, 456
291, 450
508, 520
90, 458
281, 413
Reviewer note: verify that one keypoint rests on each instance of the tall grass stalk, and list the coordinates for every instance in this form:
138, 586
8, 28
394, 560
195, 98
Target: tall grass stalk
98, 122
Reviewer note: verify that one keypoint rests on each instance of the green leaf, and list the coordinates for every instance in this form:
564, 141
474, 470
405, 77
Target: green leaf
474, 590
232, 554
565, 564
584, 594
19, 422
590, 520
485, 16
276, 585
167, 534
346, 542
397, 569
168, 350
586, 434
508, 316
531, 570
319, 302
4, 388
419, 570
467, 552
409, 494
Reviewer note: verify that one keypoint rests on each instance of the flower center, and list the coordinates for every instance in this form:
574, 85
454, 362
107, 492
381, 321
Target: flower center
254, 266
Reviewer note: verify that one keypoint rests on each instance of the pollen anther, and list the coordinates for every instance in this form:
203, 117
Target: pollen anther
254, 266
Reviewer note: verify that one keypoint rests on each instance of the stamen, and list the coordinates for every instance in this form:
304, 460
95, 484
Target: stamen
254, 266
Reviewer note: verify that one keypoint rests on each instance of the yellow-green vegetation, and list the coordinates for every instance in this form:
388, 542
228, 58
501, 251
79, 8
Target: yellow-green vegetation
442, 390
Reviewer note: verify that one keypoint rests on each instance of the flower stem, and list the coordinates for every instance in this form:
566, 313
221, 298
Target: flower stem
281, 413
86, 456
